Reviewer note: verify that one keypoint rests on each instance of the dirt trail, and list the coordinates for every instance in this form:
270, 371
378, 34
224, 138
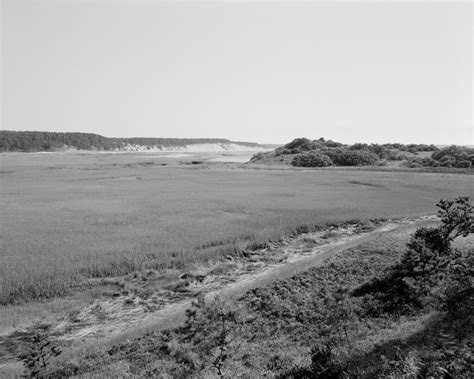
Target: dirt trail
108, 319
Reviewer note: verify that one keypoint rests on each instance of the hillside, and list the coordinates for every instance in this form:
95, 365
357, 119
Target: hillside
363, 305
303, 152
13, 141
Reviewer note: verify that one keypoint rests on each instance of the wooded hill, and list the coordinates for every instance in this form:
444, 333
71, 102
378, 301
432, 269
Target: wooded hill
52, 141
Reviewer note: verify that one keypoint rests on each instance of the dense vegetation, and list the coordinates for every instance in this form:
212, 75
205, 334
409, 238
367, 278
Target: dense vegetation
452, 156
51, 141
331, 321
323, 153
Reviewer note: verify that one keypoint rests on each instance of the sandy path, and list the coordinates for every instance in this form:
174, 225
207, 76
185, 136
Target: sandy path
112, 317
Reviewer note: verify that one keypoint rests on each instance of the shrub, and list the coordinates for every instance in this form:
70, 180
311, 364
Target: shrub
326, 362
38, 352
453, 156
260, 156
429, 250
300, 143
394, 156
464, 164
282, 151
403, 366
331, 143
359, 146
312, 160
457, 293
212, 328
413, 163
428, 265
447, 161
379, 150
346, 157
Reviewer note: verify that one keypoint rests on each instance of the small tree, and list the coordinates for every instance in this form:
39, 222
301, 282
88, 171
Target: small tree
430, 247
457, 218
213, 329
341, 311
429, 264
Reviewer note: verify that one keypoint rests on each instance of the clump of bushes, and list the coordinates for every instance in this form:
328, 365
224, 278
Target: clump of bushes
452, 156
347, 157
337, 156
322, 153
455, 154
311, 160
260, 156
302, 144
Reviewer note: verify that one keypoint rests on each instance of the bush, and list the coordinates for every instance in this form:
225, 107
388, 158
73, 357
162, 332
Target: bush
447, 161
260, 156
464, 164
346, 157
282, 151
301, 144
429, 265
311, 160
326, 362
38, 352
359, 146
331, 143
457, 293
429, 252
393, 156
457, 156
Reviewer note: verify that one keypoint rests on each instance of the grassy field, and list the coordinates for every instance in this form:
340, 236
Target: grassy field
69, 217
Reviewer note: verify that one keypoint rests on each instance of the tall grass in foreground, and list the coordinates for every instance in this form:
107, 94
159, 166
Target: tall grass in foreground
52, 273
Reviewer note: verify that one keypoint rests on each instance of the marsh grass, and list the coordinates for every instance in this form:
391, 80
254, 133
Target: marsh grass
84, 220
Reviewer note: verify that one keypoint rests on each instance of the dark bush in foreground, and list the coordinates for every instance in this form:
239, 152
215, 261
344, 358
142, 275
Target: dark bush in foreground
431, 270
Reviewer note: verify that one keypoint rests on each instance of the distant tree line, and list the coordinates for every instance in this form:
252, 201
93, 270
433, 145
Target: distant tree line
52, 141
322, 153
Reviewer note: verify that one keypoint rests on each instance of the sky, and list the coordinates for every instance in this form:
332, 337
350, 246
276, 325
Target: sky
269, 72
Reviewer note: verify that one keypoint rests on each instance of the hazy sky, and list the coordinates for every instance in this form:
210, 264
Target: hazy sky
254, 71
